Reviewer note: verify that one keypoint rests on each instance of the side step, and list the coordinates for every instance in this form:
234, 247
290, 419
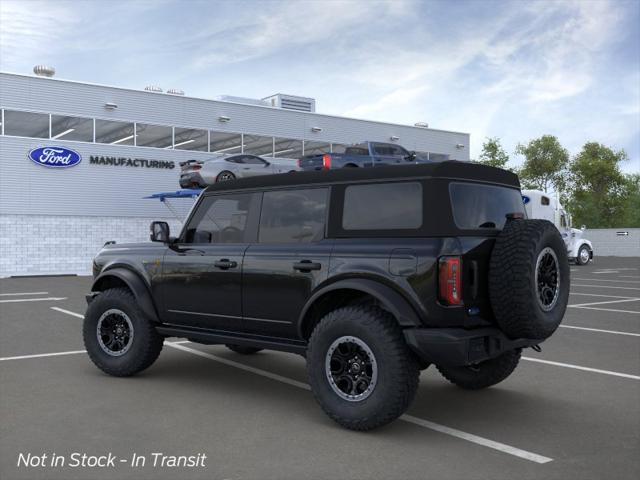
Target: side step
213, 337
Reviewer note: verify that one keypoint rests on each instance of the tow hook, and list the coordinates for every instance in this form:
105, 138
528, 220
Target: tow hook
536, 348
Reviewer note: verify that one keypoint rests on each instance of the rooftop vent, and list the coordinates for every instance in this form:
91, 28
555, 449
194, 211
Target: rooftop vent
248, 101
421, 124
175, 91
153, 88
44, 71
292, 102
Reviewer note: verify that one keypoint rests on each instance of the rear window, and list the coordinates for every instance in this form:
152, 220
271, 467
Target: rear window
383, 206
483, 206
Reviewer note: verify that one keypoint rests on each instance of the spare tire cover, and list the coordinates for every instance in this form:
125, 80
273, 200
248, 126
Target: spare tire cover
529, 279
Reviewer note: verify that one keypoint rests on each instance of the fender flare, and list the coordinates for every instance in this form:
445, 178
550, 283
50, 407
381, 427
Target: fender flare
135, 284
395, 303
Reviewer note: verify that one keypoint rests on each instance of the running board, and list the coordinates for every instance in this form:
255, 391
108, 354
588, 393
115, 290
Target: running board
214, 337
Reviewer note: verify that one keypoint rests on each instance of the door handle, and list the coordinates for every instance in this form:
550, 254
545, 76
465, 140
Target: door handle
225, 264
307, 266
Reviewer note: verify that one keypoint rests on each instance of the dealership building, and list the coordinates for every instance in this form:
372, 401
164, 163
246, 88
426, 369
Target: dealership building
115, 146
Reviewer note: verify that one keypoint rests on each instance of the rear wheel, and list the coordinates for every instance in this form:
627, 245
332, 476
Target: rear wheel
583, 255
361, 372
484, 374
225, 176
118, 337
243, 350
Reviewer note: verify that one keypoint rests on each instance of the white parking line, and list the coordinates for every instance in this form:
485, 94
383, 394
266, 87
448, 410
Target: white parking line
597, 295
633, 312
47, 299
629, 276
603, 280
586, 369
41, 355
601, 331
533, 457
23, 293
605, 286
631, 299
62, 310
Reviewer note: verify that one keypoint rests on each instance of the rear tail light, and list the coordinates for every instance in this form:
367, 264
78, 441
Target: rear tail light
299, 162
450, 280
326, 161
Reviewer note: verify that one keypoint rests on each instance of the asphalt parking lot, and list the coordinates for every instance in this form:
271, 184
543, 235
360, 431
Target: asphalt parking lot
571, 411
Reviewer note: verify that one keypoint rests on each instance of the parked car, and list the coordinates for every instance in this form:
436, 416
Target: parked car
367, 154
539, 204
354, 269
200, 173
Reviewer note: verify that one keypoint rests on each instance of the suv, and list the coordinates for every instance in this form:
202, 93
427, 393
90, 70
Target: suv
371, 274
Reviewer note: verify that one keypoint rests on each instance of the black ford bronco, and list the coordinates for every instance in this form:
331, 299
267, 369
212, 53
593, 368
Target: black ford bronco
371, 274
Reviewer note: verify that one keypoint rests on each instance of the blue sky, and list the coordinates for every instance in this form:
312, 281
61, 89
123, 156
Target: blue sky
515, 70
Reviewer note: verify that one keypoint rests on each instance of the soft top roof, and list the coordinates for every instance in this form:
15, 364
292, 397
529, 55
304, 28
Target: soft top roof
449, 169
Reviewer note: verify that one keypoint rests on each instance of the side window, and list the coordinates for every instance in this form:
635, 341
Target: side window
398, 151
293, 216
544, 200
381, 149
383, 206
238, 159
252, 160
221, 219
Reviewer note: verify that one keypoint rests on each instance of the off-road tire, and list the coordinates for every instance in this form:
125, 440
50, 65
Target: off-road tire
243, 350
482, 375
579, 256
512, 279
146, 343
397, 367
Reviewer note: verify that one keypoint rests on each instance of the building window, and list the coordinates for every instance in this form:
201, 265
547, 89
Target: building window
225, 143
383, 206
26, 124
191, 139
293, 216
114, 133
258, 145
157, 136
71, 128
316, 148
338, 148
287, 148
438, 157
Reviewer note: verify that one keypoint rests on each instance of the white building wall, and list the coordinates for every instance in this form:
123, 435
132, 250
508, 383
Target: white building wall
47, 245
607, 242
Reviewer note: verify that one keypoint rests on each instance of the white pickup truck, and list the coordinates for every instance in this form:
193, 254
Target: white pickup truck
541, 205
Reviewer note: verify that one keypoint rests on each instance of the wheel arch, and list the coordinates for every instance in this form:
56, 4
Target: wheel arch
348, 291
123, 277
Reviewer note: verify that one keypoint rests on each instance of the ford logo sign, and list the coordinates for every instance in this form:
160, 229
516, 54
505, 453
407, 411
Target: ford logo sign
55, 157
525, 199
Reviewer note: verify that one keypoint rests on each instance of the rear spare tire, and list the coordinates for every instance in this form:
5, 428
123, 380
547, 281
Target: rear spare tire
529, 279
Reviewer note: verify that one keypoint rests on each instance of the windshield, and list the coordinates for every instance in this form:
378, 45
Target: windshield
483, 206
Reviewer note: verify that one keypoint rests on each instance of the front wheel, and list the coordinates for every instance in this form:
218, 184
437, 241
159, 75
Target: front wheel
118, 337
583, 255
484, 374
361, 372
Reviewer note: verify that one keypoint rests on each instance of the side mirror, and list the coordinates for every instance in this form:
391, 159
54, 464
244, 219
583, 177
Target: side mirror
412, 156
159, 232
266, 164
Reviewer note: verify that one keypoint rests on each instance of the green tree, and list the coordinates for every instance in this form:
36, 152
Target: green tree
493, 154
631, 209
599, 190
545, 164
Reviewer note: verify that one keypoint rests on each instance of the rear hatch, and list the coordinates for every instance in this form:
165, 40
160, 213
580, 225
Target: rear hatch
480, 211
319, 161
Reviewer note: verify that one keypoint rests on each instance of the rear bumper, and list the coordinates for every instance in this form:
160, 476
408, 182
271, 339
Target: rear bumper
457, 346
191, 179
